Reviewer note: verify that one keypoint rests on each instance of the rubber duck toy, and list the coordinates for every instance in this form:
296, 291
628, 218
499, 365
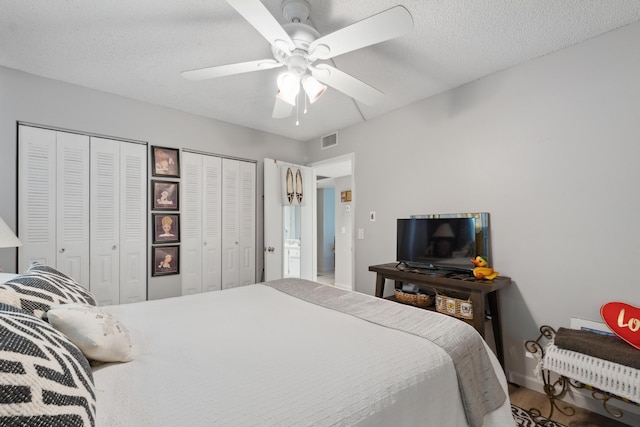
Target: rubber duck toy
482, 271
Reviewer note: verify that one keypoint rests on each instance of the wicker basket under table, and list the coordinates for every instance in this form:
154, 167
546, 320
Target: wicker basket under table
452, 306
418, 300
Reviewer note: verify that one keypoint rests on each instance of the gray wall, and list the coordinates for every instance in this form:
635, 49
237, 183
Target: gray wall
550, 149
27, 98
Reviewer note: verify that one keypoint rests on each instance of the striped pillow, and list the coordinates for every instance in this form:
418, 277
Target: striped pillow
41, 287
44, 379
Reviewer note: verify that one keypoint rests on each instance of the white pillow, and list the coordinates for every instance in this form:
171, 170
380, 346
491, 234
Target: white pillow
99, 335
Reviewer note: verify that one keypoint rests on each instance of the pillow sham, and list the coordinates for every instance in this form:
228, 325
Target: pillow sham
44, 378
99, 335
40, 287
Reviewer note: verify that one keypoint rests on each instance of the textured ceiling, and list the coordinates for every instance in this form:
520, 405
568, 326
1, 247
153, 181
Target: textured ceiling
137, 49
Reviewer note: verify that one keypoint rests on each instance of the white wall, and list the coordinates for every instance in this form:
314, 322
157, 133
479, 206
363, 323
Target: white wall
27, 98
551, 149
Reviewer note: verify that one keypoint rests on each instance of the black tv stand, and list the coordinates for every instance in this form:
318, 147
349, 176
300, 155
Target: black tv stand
463, 283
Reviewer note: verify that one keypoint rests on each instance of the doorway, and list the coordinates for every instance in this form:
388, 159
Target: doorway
334, 220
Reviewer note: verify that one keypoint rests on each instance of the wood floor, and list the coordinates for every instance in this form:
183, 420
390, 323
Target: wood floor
528, 399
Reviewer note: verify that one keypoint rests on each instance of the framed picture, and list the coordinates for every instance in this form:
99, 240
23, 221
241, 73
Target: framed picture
165, 195
166, 260
166, 161
166, 228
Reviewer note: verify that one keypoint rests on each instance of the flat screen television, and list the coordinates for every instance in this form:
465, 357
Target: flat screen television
443, 241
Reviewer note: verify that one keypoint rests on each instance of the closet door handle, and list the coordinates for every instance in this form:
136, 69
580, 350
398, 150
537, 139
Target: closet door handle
61, 251
113, 248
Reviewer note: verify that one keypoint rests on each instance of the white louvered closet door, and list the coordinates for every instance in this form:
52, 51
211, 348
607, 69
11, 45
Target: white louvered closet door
191, 227
105, 220
230, 223
247, 250
211, 223
133, 225
118, 221
238, 223
53, 206
201, 222
36, 196
73, 206
82, 208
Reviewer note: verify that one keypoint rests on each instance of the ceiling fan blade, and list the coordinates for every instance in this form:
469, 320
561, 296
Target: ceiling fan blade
281, 109
378, 28
258, 15
346, 84
227, 70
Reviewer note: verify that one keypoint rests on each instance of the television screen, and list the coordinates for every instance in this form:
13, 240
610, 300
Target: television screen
442, 242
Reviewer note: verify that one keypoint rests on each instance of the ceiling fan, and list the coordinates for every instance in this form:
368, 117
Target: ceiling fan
298, 46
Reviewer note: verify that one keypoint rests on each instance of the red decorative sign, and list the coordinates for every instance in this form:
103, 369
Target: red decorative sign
624, 320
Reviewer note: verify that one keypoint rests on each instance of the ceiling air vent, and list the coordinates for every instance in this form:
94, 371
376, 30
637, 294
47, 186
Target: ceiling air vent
329, 141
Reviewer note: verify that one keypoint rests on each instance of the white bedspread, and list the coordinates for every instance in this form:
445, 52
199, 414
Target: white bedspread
253, 356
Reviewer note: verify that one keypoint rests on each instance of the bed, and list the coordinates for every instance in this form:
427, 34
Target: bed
296, 353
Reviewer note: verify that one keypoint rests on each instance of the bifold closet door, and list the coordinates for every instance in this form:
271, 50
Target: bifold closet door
247, 270
191, 227
53, 201
211, 223
201, 221
238, 223
218, 223
105, 220
82, 209
118, 221
133, 222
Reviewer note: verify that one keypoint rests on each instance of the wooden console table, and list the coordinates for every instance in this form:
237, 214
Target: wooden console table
460, 283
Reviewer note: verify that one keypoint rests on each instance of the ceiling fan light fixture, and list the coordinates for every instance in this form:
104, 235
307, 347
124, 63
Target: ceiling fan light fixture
289, 85
313, 88
289, 98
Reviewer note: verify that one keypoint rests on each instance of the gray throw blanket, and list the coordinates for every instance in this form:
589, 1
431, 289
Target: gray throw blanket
479, 386
601, 346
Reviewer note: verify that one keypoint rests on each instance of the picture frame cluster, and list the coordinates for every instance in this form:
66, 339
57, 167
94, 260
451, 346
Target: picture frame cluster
165, 204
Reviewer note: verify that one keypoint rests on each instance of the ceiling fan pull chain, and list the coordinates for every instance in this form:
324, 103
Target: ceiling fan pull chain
305, 102
297, 110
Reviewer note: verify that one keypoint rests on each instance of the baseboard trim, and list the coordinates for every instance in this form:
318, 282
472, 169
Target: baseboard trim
581, 399
343, 287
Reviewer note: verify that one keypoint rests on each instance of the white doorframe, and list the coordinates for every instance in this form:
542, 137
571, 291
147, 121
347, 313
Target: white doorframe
318, 166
